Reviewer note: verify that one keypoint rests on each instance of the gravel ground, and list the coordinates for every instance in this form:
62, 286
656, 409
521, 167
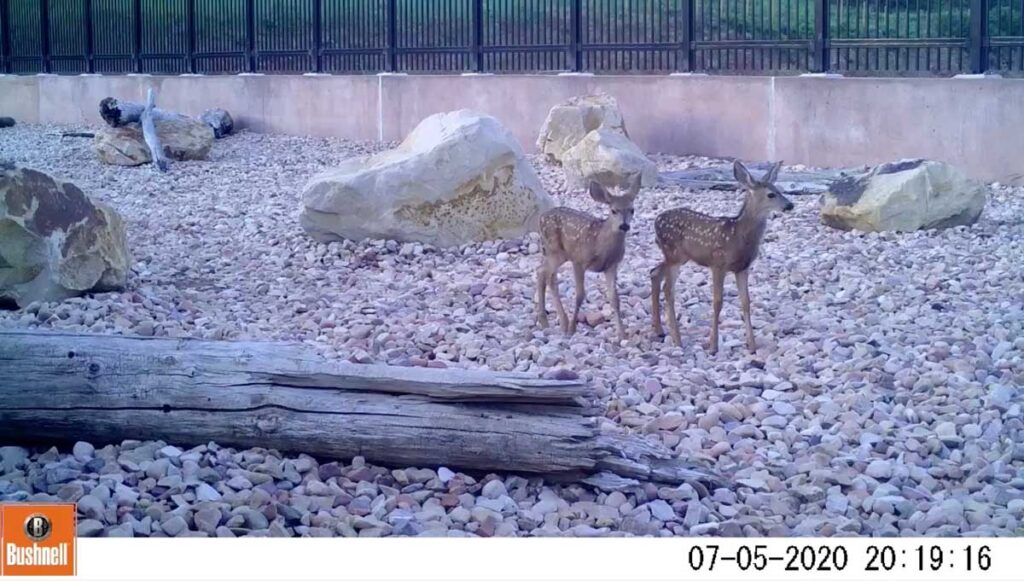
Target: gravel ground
885, 397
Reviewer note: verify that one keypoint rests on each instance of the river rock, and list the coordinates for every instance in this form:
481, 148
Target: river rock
607, 156
182, 138
220, 121
459, 177
55, 242
569, 122
904, 196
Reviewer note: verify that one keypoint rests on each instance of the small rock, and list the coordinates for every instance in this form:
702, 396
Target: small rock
879, 469
494, 489
83, 451
89, 528
174, 526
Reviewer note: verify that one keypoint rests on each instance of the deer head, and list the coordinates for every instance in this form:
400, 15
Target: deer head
762, 193
621, 202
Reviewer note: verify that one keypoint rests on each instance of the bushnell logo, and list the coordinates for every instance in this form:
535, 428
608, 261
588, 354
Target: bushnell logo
37, 539
38, 528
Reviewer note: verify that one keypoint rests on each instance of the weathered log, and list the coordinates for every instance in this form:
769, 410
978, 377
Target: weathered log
118, 113
149, 134
56, 386
721, 178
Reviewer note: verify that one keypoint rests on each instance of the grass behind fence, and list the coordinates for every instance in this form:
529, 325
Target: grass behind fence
516, 35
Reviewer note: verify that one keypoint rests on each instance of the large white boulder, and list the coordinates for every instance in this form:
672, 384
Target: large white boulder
608, 156
568, 123
182, 138
904, 196
55, 242
458, 177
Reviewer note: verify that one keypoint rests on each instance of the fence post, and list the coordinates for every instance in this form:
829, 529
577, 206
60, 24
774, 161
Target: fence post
819, 49
978, 41
318, 36
576, 30
478, 36
90, 66
7, 66
190, 30
44, 25
685, 61
250, 35
390, 51
137, 37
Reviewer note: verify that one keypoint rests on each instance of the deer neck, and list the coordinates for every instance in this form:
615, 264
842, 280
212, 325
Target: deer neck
609, 245
751, 222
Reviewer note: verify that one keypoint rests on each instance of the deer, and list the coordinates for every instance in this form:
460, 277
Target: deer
722, 244
590, 244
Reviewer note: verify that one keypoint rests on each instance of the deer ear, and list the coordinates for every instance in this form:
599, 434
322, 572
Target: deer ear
598, 192
773, 173
633, 185
742, 175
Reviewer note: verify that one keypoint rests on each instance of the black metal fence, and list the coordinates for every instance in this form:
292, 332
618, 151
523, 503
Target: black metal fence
857, 37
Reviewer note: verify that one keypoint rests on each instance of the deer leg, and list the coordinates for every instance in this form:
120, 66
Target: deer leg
542, 285
611, 278
718, 281
657, 275
581, 294
741, 282
556, 298
670, 303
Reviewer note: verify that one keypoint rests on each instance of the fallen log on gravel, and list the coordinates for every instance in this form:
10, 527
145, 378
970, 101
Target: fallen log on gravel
721, 178
105, 389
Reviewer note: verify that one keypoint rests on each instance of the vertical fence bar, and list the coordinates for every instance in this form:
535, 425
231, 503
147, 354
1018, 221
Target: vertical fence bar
390, 51
318, 36
978, 40
250, 35
478, 36
575, 35
819, 47
44, 37
137, 35
685, 62
190, 31
7, 66
87, 22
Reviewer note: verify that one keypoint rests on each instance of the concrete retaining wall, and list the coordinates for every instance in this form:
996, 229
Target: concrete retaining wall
976, 123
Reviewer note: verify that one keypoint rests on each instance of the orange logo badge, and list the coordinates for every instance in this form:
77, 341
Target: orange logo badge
37, 539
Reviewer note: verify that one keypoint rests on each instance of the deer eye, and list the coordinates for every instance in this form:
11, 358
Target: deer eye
771, 195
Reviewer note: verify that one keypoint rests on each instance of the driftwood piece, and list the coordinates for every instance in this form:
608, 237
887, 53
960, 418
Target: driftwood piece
118, 113
56, 386
721, 178
149, 134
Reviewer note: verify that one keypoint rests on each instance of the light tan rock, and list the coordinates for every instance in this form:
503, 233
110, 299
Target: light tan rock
904, 196
608, 156
568, 123
183, 139
458, 177
55, 242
